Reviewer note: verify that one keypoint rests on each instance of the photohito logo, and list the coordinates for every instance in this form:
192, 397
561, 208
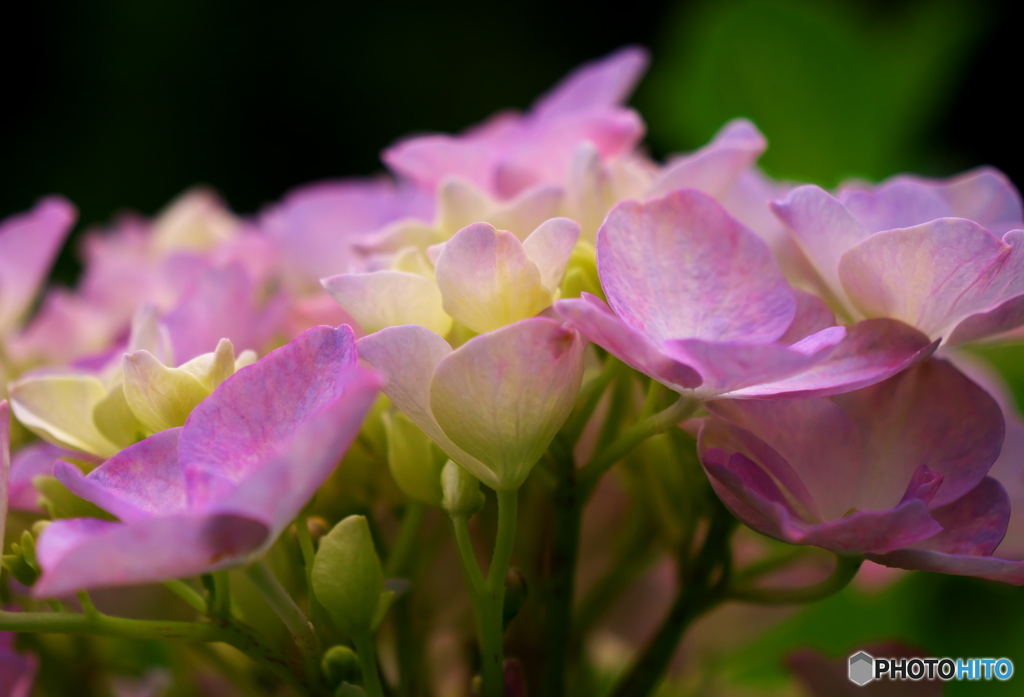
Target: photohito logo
863, 668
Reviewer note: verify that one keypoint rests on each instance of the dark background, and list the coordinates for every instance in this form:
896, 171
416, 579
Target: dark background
123, 104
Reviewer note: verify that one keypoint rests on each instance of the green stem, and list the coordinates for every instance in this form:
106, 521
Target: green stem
697, 594
590, 395
404, 549
401, 563
87, 605
492, 602
564, 550
233, 634
188, 594
467, 556
285, 608
846, 568
368, 662
634, 436
221, 604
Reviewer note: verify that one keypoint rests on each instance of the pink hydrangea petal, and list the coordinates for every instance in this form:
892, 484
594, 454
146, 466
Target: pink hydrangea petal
822, 227
318, 227
262, 408
983, 195
550, 247
872, 351
598, 84
812, 316
974, 524
727, 367
991, 568
719, 165
867, 531
29, 462
595, 320
82, 553
680, 267
141, 481
29, 243
767, 433
503, 396
934, 275
407, 357
929, 415
223, 304
5, 462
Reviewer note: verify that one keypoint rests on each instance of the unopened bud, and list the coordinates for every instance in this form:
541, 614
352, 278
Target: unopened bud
462, 495
348, 578
341, 665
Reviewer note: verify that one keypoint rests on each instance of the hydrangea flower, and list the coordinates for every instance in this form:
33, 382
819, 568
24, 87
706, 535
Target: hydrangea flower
493, 404
698, 303
906, 481
221, 488
941, 257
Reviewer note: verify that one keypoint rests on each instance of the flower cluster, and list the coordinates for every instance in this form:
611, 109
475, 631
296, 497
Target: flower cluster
512, 291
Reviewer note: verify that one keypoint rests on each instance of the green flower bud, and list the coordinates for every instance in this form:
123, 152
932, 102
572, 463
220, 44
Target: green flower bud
414, 460
581, 273
341, 665
348, 578
462, 495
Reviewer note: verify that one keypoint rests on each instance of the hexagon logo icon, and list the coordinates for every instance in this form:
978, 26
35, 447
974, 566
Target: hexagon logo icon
862, 668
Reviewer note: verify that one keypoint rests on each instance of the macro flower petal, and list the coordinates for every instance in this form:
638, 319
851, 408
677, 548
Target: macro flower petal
58, 407
380, 299
503, 396
487, 280
407, 357
935, 275
29, 243
680, 267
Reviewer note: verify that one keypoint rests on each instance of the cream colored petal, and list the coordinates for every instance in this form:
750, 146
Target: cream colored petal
160, 397
59, 409
382, 299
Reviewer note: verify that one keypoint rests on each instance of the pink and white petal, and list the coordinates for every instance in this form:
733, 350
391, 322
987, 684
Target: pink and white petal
5, 463
874, 532
991, 568
140, 482
986, 196
428, 160
749, 493
596, 85
503, 396
84, 553
872, 351
719, 165
28, 463
896, 203
549, 247
823, 228
974, 524
791, 439
380, 299
407, 357
223, 304
260, 409
930, 415
727, 367
487, 281
595, 320
812, 316
680, 267
276, 492
934, 275
29, 243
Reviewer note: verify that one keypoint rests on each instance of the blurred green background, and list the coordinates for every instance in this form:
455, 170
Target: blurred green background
122, 104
